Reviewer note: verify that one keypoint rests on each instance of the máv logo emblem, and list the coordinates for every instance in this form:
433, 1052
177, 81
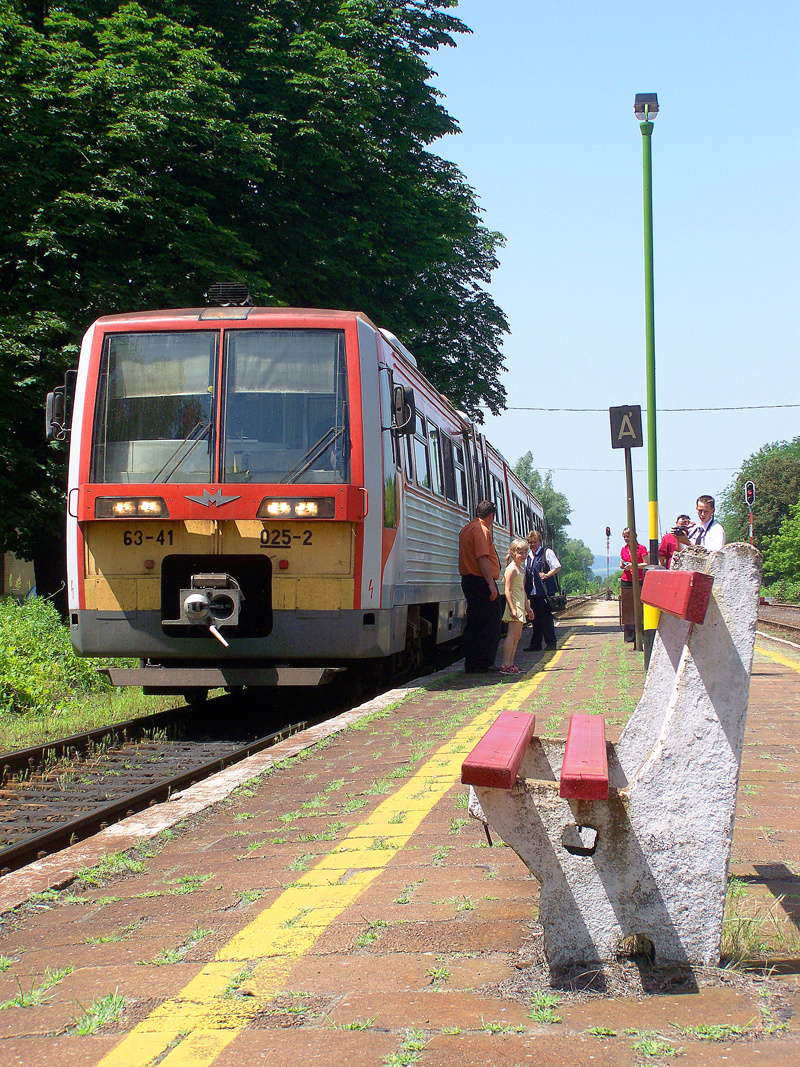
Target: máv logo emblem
212, 499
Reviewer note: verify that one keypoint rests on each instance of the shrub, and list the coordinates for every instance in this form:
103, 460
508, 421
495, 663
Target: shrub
785, 590
38, 667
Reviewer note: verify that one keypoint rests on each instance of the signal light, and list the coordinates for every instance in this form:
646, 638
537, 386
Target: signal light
749, 493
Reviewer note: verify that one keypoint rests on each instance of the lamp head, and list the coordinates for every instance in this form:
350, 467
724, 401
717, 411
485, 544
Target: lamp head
645, 106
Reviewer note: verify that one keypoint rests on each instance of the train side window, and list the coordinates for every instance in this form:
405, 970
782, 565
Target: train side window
499, 500
421, 453
519, 517
436, 459
390, 451
448, 468
409, 456
460, 475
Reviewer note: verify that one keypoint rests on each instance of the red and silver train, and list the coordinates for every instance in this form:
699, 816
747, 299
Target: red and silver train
262, 496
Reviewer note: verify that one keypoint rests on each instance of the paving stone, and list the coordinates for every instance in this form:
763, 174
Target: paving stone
390, 980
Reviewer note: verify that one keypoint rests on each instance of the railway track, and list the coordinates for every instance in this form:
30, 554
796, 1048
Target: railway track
55, 794
65, 798
784, 618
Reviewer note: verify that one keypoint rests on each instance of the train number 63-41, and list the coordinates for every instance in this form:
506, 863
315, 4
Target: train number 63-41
137, 537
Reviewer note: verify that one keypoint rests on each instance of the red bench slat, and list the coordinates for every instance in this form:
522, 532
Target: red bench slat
584, 773
684, 594
496, 759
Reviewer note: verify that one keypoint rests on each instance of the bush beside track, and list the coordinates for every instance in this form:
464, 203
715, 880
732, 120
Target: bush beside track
39, 672
46, 691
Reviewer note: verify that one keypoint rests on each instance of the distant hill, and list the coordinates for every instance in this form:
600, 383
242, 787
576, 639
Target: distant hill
599, 564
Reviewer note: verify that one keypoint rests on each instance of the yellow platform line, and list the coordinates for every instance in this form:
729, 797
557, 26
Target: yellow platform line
778, 658
199, 1021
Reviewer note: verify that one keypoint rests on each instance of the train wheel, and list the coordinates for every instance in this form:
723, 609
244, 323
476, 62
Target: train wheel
195, 698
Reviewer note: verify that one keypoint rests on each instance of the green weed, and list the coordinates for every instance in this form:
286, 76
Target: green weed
117, 935
654, 1045
543, 1005
101, 1012
109, 867
188, 883
720, 1032
415, 1042
500, 1028
405, 894
249, 896
37, 994
300, 863
371, 934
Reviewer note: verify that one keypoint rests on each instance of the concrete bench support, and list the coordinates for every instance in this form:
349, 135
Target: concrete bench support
650, 861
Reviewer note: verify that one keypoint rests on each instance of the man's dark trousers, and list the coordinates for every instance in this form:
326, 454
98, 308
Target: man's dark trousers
543, 625
482, 630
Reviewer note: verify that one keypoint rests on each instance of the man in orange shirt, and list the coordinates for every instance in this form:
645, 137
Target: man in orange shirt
479, 568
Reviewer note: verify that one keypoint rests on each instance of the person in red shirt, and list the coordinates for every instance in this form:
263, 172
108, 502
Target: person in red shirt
625, 562
669, 543
479, 567
625, 558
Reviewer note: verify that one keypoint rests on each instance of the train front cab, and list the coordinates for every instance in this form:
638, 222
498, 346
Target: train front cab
227, 503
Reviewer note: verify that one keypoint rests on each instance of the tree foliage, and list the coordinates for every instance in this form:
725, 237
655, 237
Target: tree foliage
575, 557
782, 549
577, 561
556, 506
775, 471
150, 148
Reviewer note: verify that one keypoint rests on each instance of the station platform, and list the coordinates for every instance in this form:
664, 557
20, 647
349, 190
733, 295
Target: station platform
330, 900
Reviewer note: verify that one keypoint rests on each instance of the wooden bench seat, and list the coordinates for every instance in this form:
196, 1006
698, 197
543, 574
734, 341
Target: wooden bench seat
684, 594
584, 772
496, 759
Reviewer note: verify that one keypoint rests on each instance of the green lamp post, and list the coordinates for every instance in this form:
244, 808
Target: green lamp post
645, 108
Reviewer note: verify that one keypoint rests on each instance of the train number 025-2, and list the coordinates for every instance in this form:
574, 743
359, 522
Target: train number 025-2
139, 537
284, 538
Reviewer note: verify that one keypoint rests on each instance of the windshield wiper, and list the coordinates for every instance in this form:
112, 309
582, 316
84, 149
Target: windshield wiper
328, 440
195, 435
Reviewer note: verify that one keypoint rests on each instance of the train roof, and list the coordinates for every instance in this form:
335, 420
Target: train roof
230, 314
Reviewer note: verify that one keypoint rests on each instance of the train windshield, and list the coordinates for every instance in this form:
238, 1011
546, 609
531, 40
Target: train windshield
155, 408
285, 417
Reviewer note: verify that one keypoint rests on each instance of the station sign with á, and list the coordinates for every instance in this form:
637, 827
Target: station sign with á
626, 427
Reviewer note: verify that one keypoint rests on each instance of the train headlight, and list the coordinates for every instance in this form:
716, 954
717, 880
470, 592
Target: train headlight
123, 508
323, 507
277, 507
108, 507
305, 508
151, 507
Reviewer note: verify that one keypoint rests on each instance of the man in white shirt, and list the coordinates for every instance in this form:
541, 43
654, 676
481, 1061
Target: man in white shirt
707, 533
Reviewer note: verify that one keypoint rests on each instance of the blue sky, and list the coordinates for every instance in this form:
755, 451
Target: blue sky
544, 93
